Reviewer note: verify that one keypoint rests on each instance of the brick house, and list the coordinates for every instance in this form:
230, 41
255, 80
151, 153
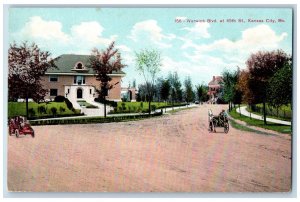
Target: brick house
215, 89
76, 81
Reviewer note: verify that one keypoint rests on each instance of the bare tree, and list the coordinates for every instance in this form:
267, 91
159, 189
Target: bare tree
148, 64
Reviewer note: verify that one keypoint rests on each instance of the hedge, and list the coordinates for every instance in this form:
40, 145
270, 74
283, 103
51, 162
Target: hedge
92, 119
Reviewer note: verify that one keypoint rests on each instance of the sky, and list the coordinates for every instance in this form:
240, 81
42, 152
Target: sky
196, 42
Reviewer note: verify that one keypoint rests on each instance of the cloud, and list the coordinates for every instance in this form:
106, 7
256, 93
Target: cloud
261, 37
149, 30
36, 27
199, 30
82, 37
253, 39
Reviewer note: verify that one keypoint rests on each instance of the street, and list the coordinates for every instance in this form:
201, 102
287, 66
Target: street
172, 153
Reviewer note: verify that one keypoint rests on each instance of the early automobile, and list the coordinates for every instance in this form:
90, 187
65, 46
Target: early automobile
218, 121
20, 126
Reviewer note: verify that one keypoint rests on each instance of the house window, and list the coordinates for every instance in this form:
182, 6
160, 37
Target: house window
79, 66
53, 92
79, 80
53, 78
90, 91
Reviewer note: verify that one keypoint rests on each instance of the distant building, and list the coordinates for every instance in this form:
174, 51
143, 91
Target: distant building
128, 94
215, 89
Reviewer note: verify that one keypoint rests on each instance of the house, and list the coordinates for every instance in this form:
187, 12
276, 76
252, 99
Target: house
76, 81
215, 89
129, 94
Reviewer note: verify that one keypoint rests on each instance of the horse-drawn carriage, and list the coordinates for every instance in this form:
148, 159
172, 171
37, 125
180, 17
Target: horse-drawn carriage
218, 121
20, 126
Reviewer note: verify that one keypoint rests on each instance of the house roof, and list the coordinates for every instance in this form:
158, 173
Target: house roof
216, 80
66, 64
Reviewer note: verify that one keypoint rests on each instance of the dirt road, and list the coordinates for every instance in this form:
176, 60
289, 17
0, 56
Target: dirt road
172, 153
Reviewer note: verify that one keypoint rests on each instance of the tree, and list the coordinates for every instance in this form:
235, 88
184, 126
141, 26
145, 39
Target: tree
165, 90
105, 62
176, 91
189, 93
280, 87
230, 87
134, 83
26, 66
148, 64
199, 92
262, 66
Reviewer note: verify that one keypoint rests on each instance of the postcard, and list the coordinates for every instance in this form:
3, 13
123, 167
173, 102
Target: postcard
139, 99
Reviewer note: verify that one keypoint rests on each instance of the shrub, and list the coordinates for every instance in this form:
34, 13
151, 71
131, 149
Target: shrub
153, 107
134, 109
31, 112
123, 106
62, 109
69, 104
120, 109
41, 109
142, 105
129, 108
53, 110
59, 98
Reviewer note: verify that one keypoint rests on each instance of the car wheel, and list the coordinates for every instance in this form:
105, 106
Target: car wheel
11, 131
17, 133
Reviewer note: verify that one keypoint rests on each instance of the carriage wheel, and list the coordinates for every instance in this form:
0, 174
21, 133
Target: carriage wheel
17, 133
210, 129
226, 127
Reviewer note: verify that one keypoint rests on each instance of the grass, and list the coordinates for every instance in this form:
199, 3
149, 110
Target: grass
89, 120
235, 125
268, 116
137, 107
258, 123
19, 108
284, 112
87, 105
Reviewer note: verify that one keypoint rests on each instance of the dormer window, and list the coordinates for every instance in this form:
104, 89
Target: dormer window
79, 66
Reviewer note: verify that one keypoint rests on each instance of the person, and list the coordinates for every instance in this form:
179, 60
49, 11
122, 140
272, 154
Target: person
221, 116
211, 120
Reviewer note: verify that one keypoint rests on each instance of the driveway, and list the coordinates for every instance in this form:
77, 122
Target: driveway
172, 153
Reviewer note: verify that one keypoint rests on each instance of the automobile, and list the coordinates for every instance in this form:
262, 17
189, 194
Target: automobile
18, 125
197, 102
218, 121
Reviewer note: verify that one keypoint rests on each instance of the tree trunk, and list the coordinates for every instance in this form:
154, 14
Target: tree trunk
240, 110
165, 106
229, 106
27, 105
104, 107
149, 106
264, 113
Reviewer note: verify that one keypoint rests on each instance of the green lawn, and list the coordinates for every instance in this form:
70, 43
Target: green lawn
19, 108
87, 105
284, 112
259, 123
137, 107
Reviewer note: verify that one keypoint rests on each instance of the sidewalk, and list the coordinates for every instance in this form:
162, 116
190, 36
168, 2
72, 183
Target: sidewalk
255, 116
